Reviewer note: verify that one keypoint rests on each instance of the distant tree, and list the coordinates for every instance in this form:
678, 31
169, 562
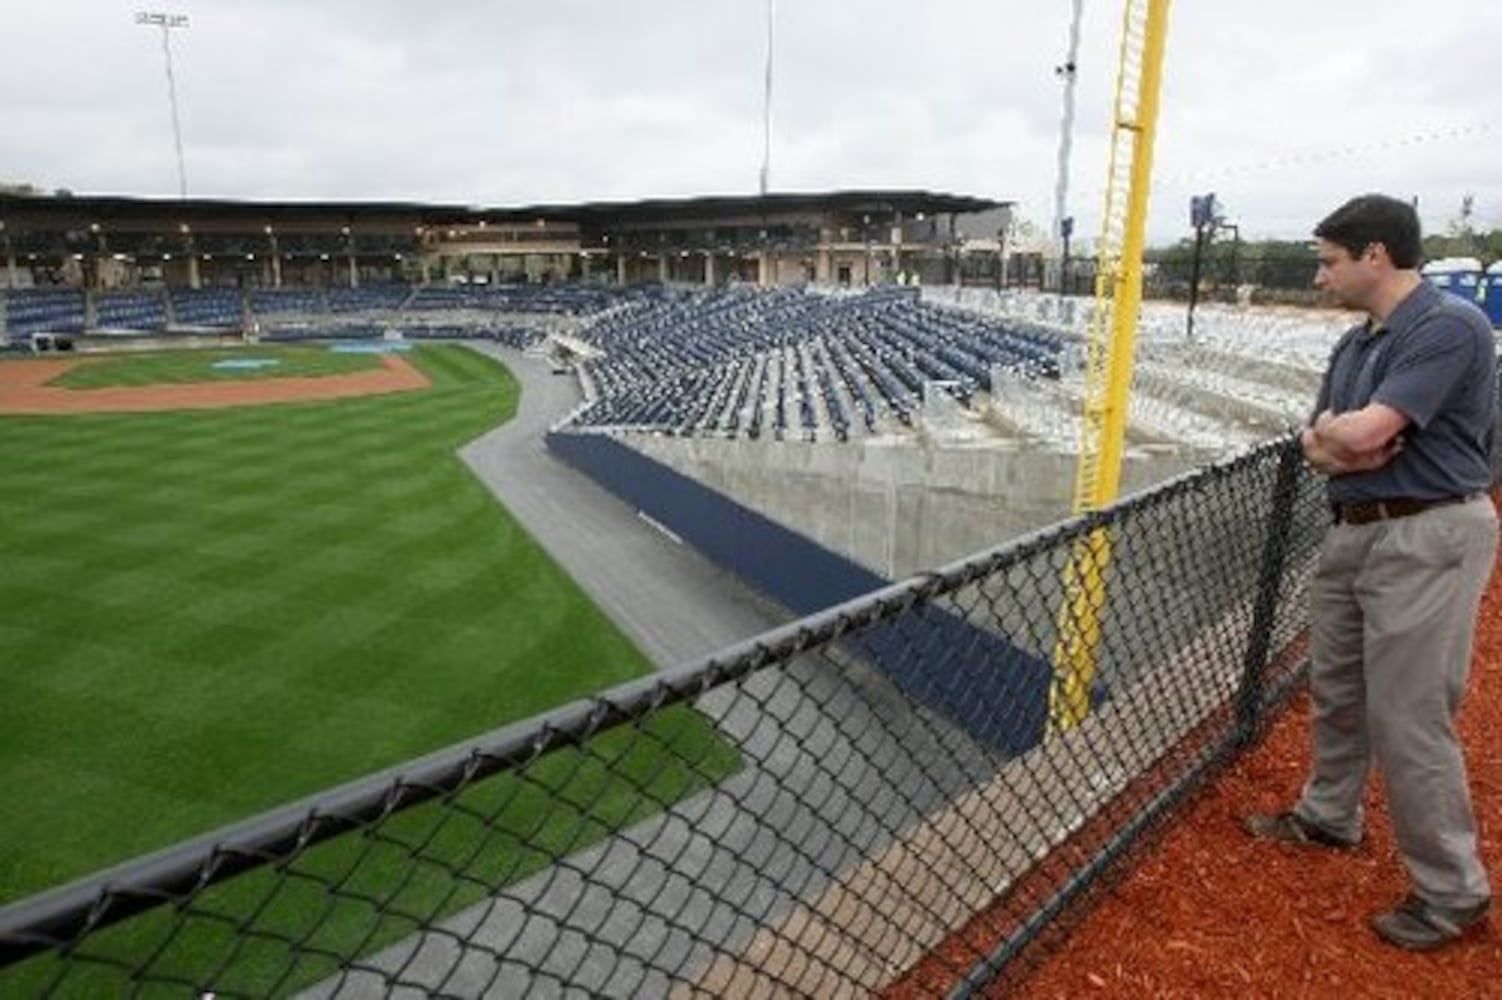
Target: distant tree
1227, 263
1458, 243
1491, 245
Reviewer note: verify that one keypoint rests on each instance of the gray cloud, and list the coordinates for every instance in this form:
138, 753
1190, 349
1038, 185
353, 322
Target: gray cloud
1283, 108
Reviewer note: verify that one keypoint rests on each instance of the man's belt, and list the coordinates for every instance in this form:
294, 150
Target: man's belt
1387, 510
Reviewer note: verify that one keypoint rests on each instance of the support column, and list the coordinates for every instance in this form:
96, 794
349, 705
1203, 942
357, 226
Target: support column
620, 270
193, 281
764, 269
10, 269
427, 273
709, 270
274, 256
495, 269
662, 268
354, 273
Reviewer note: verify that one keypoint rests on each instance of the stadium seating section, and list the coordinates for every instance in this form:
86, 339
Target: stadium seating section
785, 362
731, 362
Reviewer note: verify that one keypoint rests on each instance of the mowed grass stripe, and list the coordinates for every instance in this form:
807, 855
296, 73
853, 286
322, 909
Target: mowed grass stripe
211, 613
427, 863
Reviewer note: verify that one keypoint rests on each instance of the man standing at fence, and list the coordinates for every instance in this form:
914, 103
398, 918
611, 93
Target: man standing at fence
1403, 430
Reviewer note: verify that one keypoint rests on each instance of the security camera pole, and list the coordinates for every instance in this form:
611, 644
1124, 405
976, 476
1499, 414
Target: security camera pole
167, 22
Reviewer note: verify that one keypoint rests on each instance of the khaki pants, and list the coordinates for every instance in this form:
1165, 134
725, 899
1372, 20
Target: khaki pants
1393, 610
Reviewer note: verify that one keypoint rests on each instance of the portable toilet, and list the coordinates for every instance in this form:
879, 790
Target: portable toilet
1492, 297
1460, 276
1437, 273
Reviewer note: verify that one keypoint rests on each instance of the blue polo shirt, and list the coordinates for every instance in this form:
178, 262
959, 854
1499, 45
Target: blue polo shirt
1434, 361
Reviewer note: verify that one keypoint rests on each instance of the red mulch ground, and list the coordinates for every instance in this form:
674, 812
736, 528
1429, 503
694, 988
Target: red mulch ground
1211, 913
1207, 912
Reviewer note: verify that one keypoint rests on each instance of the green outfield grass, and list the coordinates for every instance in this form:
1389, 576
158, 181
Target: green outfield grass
177, 367
210, 613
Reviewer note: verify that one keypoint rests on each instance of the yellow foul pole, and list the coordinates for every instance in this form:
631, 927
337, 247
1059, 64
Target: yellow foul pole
1110, 352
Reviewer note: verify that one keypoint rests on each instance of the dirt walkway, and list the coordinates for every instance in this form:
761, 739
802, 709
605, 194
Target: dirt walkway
24, 389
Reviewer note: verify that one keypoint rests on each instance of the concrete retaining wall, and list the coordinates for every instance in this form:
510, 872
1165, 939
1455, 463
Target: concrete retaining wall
895, 508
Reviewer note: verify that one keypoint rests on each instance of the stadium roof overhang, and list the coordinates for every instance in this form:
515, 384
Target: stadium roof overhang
59, 211
907, 203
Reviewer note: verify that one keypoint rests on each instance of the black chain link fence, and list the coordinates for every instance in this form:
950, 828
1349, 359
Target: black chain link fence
597, 851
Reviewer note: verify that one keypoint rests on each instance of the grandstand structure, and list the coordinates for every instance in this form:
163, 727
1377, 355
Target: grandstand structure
845, 238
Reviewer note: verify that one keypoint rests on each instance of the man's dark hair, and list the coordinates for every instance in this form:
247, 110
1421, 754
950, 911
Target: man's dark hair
1375, 218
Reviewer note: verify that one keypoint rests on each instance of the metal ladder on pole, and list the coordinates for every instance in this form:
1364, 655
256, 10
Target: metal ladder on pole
1109, 353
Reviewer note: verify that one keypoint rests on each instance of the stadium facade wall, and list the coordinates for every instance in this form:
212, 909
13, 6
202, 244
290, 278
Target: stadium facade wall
807, 578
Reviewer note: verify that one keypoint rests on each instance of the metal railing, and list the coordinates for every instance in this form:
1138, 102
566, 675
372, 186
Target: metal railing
895, 796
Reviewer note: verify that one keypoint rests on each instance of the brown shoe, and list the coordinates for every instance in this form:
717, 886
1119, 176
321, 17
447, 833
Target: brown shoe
1290, 828
1419, 925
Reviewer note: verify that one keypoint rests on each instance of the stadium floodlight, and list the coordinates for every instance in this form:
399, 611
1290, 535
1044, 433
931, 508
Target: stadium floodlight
766, 118
168, 22
1067, 73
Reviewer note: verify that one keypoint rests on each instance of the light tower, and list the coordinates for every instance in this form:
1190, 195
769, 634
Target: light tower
766, 118
167, 22
1063, 223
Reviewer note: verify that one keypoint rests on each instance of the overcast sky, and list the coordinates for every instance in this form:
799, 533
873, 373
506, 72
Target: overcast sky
1282, 107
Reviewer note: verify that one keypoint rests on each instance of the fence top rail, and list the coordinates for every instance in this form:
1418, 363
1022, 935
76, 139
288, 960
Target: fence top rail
32, 924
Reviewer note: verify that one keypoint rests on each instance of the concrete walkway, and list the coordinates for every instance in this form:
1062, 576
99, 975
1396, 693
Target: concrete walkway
674, 604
